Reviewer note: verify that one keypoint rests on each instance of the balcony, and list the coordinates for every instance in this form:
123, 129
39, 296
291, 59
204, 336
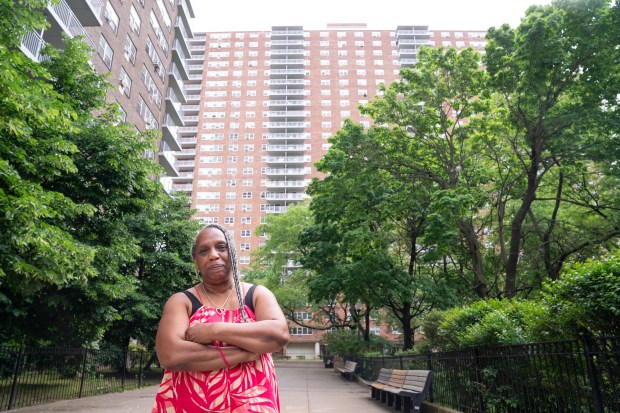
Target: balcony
179, 57
287, 52
87, 11
62, 19
189, 142
274, 209
289, 125
168, 161
176, 83
289, 92
185, 166
414, 42
288, 136
289, 114
299, 184
288, 33
288, 103
182, 188
288, 148
170, 134
286, 43
174, 109
287, 159
410, 32
289, 197
186, 11
275, 83
286, 72
31, 46
283, 172
286, 62
188, 130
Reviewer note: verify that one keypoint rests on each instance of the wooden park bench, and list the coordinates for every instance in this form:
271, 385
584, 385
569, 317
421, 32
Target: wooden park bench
381, 382
407, 390
348, 370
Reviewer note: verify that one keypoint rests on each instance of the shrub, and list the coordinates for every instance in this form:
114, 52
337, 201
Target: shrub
351, 343
586, 298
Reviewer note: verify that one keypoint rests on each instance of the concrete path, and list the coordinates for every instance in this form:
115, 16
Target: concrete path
305, 387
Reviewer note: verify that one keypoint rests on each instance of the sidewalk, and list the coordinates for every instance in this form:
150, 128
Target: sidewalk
305, 387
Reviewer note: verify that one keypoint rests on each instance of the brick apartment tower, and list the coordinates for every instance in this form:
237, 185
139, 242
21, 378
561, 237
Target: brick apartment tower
144, 46
267, 103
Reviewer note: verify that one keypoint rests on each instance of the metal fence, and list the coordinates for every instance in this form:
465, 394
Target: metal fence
32, 375
565, 376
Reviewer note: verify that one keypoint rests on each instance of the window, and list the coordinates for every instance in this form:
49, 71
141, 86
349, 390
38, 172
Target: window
246, 208
164, 14
375, 330
148, 81
231, 195
105, 51
124, 83
301, 331
302, 315
246, 195
245, 233
229, 220
111, 17
130, 50
163, 42
134, 20
229, 207
244, 246
246, 220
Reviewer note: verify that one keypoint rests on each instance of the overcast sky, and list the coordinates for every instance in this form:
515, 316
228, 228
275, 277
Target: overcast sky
260, 15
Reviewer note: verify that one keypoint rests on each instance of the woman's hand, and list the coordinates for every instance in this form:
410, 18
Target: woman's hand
200, 333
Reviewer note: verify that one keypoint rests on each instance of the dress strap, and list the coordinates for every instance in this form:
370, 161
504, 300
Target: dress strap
196, 304
249, 297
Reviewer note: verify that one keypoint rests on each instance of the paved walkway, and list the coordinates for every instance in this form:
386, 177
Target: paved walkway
305, 387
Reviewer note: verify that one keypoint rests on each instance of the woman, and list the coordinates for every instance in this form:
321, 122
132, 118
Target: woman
216, 350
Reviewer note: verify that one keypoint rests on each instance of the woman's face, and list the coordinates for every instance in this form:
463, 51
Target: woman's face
212, 255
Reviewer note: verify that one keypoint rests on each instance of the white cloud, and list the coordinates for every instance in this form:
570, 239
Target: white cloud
242, 15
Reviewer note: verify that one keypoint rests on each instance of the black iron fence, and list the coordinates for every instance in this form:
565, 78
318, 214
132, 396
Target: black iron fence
566, 376
32, 375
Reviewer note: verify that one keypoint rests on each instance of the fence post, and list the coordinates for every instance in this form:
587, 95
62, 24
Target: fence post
429, 366
83, 377
20, 360
596, 389
140, 370
479, 379
125, 354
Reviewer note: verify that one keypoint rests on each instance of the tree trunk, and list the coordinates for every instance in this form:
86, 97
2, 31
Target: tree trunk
407, 330
471, 240
516, 227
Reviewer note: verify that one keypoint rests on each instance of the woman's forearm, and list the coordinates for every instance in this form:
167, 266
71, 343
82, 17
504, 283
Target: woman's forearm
260, 337
189, 356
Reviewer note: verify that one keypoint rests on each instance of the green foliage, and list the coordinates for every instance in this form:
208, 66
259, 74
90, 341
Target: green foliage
587, 297
89, 238
346, 342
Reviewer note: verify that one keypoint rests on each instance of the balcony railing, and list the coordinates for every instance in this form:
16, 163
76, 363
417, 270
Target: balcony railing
65, 15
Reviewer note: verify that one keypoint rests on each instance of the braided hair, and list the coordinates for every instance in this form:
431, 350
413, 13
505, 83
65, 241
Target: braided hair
232, 257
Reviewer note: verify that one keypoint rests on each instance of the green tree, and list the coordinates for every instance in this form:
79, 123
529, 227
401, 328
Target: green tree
37, 250
430, 139
562, 105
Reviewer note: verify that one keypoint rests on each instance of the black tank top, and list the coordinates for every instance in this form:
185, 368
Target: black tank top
196, 304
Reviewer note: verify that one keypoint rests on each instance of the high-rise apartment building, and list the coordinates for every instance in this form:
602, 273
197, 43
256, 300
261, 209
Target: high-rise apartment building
145, 46
270, 100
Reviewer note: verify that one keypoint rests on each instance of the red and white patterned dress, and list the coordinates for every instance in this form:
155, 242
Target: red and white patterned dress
244, 388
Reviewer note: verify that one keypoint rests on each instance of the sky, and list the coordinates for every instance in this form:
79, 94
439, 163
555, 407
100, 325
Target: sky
260, 15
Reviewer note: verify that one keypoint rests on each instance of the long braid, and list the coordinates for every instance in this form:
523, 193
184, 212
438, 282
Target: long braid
232, 257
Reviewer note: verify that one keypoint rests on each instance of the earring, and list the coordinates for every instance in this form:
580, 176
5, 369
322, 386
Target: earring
198, 276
